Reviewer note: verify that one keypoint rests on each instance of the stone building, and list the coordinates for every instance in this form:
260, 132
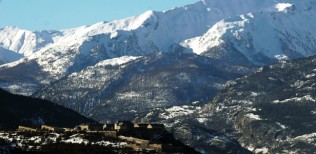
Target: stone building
51, 128
26, 129
123, 125
90, 127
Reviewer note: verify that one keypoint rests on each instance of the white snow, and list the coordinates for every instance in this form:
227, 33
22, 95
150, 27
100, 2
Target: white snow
263, 150
254, 94
202, 120
177, 111
262, 31
108, 143
77, 139
308, 76
251, 26
282, 126
153, 31
296, 99
253, 116
283, 6
281, 57
117, 61
26, 42
309, 138
130, 94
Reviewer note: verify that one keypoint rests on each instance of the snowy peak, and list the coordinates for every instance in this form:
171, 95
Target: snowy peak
140, 21
126, 24
23, 41
272, 30
261, 37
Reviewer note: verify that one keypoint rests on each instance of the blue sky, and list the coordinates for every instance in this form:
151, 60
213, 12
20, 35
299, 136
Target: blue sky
63, 14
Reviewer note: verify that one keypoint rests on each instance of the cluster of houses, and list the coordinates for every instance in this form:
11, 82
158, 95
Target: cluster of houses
138, 136
93, 127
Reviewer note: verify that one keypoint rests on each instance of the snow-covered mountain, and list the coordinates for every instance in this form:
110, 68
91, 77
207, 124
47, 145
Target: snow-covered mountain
222, 30
270, 111
59, 53
26, 42
126, 68
261, 37
125, 87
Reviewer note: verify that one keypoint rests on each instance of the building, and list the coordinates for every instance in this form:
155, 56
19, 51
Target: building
144, 126
108, 127
149, 126
68, 129
123, 125
156, 126
26, 129
52, 129
119, 126
90, 127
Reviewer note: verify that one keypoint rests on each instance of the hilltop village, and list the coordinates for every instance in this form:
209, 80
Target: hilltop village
119, 126
119, 137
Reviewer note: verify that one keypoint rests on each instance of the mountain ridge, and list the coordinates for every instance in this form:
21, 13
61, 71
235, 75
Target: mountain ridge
21, 110
159, 62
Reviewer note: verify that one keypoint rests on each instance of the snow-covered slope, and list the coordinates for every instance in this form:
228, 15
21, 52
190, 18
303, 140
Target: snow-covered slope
68, 51
285, 32
26, 42
272, 109
140, 35
113, 70
236, 31
123, 88
7, 56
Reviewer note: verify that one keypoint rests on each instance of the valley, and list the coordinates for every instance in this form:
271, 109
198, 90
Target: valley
222, 76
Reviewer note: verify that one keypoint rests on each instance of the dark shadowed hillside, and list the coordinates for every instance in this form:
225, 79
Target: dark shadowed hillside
20, 110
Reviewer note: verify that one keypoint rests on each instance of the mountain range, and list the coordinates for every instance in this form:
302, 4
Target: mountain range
269, 111
134, 67
273, 109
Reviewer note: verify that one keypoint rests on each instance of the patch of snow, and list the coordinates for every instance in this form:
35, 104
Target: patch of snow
310, 75
117, 61
263, 150
281, 57
76, 140
282, 126
283, 7
195, 103
130, 94
276, 101
296, 99
253, 116
177, 111
202, 120
310, 138
254, 94
108, 143
250, 147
